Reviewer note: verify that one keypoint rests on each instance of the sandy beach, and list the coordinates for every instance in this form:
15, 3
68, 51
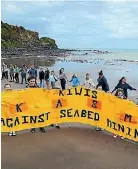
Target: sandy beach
79, 148
73, 146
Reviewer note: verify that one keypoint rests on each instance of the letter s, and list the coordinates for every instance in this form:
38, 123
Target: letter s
62, 113
41, 118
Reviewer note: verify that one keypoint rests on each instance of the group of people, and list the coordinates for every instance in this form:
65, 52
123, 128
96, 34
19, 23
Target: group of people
49, 78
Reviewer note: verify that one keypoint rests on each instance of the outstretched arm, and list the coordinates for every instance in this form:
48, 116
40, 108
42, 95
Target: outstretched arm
131, 88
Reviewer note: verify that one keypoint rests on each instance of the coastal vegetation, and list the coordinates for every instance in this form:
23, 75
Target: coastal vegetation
13, 36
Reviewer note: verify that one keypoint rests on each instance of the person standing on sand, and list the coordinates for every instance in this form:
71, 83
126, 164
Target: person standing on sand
33, 72
56, 125
53, 79
99, 88
102, 81
11, 72
75, 81
3, 70
89, 82
32, 84
16, 71
23, 71
120, 94
47, 74
62, 78
7, 88
6, 72
124, 85
42, 78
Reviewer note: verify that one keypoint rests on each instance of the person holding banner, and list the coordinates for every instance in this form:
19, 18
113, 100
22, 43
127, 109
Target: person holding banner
32, 84
75, 81
120, 94
89, 82
7, 88
56, 125
122, 84
102, 81
98, 87
63, 78
53, 79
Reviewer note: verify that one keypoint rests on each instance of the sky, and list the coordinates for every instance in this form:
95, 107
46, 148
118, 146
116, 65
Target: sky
78, 24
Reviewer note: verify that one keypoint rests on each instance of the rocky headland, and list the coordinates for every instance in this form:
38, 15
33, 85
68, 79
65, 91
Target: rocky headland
17, 41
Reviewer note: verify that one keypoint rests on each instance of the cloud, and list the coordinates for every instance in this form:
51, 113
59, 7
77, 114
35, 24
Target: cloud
121, 20
13, 8
91, 16
70, 23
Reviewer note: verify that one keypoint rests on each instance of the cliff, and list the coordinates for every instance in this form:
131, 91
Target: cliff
19, 37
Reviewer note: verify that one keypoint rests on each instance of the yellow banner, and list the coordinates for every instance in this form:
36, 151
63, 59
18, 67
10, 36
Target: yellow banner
25, 109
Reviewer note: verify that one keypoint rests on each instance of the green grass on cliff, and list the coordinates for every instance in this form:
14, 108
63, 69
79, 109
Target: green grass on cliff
14, 36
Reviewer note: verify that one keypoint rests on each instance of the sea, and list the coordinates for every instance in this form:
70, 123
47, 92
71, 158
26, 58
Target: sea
115, 64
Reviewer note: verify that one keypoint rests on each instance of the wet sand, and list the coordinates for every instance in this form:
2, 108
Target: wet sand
78, 147
68, 148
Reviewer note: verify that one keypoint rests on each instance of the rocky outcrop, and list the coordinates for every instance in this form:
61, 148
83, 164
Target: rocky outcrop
13, 37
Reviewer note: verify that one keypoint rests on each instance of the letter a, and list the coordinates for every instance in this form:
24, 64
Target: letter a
58, 103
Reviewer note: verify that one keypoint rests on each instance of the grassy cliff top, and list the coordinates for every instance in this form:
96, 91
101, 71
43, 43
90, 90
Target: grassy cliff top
18, 36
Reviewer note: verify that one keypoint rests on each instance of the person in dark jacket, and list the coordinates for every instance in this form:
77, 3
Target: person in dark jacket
102, 82
47, 75
23, 71
120, 94
33, 72
42, 78
123, 85
32, 84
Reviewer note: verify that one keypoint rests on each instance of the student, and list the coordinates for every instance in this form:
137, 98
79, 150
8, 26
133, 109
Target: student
23, 71
99, 87
7, 88
63, 78
53, 79
6, 72
124, 86
56, 125
32, 84
75, 81
120, 94
16, 71
33, 72
11, 72
89, 82
47, 74
42, 78
3, 70
103, 82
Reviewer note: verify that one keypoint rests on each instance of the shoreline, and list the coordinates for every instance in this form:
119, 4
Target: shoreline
37, 51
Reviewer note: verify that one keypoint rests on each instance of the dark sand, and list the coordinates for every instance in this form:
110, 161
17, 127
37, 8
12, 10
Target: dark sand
68, 148
80, 147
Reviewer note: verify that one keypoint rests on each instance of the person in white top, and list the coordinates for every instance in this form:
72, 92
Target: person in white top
7, 88
89, 82
53, 79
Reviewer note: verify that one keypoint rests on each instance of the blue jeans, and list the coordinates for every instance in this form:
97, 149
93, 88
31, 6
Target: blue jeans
23, 75
52, 85
42, 83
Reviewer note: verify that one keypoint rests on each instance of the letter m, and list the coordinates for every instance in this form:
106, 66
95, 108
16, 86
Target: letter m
128, 118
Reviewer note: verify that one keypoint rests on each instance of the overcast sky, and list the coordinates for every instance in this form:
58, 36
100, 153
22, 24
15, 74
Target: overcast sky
86, 24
